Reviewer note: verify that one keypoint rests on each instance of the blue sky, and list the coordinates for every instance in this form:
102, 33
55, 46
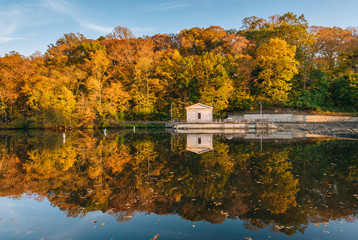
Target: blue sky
27, 26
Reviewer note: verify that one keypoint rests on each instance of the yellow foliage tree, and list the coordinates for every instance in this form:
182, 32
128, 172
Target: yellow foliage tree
277, 65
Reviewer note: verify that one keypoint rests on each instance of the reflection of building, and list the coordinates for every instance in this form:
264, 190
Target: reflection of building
198, 113
199, 143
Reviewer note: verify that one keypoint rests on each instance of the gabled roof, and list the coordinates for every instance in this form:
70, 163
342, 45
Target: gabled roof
199, 106
199, 150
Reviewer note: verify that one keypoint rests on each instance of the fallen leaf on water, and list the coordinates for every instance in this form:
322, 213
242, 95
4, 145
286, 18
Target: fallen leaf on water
94, 221
317, 224
341, 222
248, 238
93, 227
325, 224
158, 219
102, 224
155, 237
193, 225
324, 231
37, 227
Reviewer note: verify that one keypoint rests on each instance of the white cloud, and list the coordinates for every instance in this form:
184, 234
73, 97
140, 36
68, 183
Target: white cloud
10, 20
65, 8
4, 39
165, 6
58, 5
95, 27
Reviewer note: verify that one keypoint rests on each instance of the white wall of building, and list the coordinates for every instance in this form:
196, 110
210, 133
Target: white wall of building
192, 115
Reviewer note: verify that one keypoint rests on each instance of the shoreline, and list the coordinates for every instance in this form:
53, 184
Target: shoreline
17, 126
342, 127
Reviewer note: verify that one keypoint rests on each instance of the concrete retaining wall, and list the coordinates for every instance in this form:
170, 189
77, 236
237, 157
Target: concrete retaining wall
242, 125
270, 117
293, 118
323, 118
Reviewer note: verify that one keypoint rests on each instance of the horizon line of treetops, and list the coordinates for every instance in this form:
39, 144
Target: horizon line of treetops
280, 61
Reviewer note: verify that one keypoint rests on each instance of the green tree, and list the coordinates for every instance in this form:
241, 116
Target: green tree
213, 81
179, 74
345, 92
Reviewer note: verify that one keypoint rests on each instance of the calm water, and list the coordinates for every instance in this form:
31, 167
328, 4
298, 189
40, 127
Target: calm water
125, 185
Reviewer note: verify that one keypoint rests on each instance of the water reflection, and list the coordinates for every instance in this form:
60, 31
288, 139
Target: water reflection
199, 143
285, 186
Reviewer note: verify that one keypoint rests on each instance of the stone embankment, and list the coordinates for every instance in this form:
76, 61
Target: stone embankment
333, 129
326, 125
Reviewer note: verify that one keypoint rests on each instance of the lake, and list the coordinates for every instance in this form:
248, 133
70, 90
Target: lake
115, 184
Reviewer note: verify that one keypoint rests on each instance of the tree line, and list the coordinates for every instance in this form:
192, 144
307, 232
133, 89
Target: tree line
281, 61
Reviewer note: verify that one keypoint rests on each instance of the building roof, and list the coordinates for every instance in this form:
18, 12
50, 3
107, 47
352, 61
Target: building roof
199, 106
199, 150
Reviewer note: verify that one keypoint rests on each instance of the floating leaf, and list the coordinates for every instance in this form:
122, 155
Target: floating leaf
155, 237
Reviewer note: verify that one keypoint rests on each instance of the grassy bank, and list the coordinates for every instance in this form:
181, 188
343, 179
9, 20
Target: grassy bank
26, 125
143, 125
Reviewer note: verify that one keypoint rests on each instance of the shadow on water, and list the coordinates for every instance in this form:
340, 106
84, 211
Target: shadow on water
273, 181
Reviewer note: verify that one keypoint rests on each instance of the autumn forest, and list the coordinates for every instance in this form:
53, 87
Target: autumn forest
280, 61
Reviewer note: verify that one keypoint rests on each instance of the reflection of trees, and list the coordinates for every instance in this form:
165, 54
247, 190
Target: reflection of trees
278, 186
282, 187
10, 174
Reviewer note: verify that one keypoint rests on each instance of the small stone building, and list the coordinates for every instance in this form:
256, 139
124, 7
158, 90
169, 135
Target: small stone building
199, 113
